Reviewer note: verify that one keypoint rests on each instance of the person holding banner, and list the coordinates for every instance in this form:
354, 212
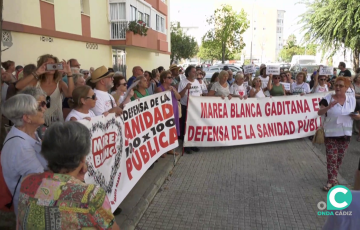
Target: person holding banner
337, 124
82, 101
166, 80
257, 90
140, 90
105, 103
188, 86
275, 87
300, 87
59, 194
238, 89
221, 88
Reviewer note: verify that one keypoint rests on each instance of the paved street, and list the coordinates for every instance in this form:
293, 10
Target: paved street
265, 186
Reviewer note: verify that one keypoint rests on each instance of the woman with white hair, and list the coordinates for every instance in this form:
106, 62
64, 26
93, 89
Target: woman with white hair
221, 88
20, 155
238, 89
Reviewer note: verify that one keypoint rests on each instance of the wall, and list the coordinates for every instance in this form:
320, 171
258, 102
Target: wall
68, 16
23, 12
27, 48
99, 19
147, 60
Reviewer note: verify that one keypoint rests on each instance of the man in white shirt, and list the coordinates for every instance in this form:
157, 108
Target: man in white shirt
188, 86
105, 102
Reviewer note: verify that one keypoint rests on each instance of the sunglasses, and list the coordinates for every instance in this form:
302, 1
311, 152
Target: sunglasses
340, 86
276, 77
48, 100
86, 73
93, 97
42, 104
323, 79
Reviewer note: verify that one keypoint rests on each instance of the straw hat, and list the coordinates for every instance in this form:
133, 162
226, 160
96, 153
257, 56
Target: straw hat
173, 67
100, 73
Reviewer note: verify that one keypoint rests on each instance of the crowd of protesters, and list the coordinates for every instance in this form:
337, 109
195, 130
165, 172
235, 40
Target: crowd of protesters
37, 100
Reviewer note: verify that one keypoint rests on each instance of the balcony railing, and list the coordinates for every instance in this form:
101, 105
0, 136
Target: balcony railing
118, 30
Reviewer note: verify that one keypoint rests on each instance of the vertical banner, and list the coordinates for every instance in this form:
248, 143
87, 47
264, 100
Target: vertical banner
123, 148
212, 121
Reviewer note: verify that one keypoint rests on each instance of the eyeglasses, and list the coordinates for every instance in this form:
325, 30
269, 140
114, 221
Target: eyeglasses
42, 104
340, 86
86, 73
276, 77
169, 77
323, 79
93, 97
48, 100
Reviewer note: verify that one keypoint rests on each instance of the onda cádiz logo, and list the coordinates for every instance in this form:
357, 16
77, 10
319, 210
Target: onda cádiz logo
338, 198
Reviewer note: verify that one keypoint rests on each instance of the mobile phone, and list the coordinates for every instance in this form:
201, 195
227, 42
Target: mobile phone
354, 113
56, 66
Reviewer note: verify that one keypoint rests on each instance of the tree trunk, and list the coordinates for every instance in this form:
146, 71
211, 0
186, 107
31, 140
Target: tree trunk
356, 53
223, 53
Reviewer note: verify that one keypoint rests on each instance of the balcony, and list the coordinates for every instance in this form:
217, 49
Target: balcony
121, 37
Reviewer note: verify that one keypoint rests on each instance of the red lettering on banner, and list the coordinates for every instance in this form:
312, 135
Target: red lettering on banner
226, 135
307, 125
225, 111
208, 133
275, 129
197, 133
173, 137
103, 148
151, 150
191, 132
115, 191
157, 116
129, 168
293, 108
128, 134
204, 132
167, 111
148, 119
156, 144
292, 127
236, 132
299, 105
145, 155
209, 138
135, 126
138, 164
163, 144
315, 102
215, 110
251, 135
307, 108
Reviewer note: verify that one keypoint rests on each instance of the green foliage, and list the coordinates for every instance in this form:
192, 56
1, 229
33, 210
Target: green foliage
333, 24
208, 54
225, 38
138, 27
291, 49
182, 45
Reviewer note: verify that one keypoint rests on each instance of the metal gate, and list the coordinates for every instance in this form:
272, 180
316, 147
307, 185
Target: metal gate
119, 60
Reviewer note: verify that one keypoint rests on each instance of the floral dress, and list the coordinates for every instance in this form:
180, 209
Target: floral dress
59, 201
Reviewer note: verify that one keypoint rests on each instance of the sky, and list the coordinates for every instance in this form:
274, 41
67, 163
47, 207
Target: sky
193, 13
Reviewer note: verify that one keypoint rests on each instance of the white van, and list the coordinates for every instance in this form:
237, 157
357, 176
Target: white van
303, 60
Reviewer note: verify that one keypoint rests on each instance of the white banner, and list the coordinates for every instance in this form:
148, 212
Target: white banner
326, 70
123, 148
273, 69
286, 86
212, 121
248, 69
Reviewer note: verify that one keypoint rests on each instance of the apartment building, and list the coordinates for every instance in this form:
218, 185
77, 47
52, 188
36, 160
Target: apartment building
264, 37
93, 31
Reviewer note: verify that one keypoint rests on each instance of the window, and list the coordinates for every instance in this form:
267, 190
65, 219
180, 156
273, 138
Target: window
160, 23
117, 11
140, 16
133, 13
147, 20
85, 7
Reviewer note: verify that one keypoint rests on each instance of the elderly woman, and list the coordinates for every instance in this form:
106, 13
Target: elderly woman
166, 80
238, 89
275, 87
59, 194
119, 89
337, 134
50, 81
140, 89
214, 78
221, 88
82, 101
20, 155
256, 90
300, 87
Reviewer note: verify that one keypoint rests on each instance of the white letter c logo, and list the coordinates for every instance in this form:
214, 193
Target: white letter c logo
332, 198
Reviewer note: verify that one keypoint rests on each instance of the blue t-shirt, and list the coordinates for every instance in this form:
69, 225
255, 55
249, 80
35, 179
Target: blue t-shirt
130, 81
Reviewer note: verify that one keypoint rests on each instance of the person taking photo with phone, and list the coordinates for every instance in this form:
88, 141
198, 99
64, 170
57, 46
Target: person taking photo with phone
48, 77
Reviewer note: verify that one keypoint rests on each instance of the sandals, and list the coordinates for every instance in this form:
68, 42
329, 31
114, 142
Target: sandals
327, 187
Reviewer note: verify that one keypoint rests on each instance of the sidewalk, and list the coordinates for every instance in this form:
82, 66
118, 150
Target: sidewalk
265, 186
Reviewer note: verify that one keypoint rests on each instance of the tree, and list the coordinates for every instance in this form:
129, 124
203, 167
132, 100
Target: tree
333, 24
206, 54
182, 45
225, 36
291, 48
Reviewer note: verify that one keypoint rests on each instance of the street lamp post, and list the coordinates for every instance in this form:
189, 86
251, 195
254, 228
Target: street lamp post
252, 32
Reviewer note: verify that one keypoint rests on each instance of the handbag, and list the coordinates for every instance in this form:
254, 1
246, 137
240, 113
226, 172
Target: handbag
179, 109
319, 137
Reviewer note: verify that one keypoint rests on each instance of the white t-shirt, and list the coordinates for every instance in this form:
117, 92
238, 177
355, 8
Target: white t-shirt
195, 90
121, 98
350, 92
104, 102
4, 89
299, 89
320, 89
203, 88
78, 115
337, 121
238, 90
